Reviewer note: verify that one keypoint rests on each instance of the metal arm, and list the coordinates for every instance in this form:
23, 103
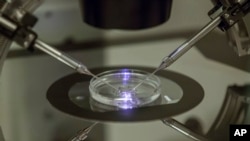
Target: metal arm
25, 37
183, 129
18, 29
182, 49
235, 25
222, 17
21, 33
62, 57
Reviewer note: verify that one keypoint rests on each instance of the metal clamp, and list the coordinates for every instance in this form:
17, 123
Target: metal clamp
230, 14
235, 22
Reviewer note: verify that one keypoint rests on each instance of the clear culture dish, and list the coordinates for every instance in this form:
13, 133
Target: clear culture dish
122, 93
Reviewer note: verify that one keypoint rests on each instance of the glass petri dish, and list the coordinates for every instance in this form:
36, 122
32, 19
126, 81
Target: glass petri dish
124, 96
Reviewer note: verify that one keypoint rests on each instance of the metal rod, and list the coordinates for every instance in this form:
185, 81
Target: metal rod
182, 49
7, 24
183, 130
68, 60
62, 57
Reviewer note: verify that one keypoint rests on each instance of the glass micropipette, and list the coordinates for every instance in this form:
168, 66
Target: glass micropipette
181, 50
66, 59
80, 68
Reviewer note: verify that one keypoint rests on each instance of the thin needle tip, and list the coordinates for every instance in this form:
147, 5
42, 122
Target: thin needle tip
148, 76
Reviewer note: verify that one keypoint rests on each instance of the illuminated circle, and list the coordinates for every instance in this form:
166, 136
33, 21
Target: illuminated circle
117, 88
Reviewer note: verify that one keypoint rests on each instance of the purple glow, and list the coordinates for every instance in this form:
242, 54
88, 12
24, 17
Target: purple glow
127, 97
126, 75
127, 100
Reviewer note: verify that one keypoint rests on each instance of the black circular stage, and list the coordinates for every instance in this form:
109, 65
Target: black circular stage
180, 93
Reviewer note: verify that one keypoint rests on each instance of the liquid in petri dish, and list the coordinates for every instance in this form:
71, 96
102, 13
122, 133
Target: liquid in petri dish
125, 97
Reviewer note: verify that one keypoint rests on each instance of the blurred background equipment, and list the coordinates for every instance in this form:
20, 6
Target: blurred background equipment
25, 79
125, 14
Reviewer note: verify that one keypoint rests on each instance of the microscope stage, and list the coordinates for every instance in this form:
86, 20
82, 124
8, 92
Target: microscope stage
179, 94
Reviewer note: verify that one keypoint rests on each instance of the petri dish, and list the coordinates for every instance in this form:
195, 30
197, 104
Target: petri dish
124, 96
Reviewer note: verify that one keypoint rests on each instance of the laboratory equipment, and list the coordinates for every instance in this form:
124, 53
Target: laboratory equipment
175, 88
113, 14
16, 25
233, 111
124, 80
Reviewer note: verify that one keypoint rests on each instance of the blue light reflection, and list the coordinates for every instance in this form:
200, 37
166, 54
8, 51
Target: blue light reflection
127, 100
126, 75
127, 97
